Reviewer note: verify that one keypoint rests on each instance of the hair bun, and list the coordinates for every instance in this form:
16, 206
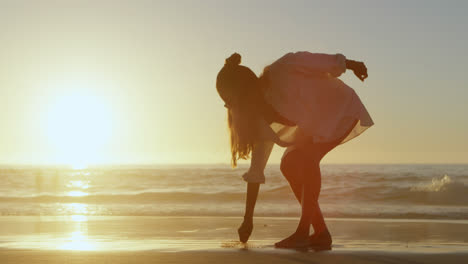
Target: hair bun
234, 60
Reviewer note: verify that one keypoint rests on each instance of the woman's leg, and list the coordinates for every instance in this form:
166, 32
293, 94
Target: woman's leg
290, 168
292, 161
312, 186
304, 179
312, 182
293, 166
301, 168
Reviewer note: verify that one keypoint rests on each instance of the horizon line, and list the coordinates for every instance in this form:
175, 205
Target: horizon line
214, 163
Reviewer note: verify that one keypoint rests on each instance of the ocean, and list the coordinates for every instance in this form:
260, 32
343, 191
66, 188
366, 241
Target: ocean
348, 191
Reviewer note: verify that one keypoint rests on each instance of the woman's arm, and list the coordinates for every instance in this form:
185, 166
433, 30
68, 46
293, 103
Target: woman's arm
334, 64
316, 63
254, 177
358, 67
247, 225
252, 193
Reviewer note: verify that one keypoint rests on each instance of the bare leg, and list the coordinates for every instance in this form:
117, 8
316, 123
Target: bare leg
303, 187
312, 186
319, 150
291, 167
321, 239
302, 170
311, 213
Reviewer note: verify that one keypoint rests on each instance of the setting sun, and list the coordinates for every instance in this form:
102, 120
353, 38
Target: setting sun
78, 126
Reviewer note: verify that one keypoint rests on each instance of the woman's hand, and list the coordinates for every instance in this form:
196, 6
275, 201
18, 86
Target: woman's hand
245, 230
358, 67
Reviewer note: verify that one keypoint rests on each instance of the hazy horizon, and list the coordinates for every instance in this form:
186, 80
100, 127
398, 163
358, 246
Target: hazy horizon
241, 164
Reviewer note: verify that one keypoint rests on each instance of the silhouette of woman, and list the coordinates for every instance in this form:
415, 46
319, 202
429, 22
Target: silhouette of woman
299, 103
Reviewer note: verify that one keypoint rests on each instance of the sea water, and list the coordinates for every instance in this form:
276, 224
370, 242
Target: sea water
361, 191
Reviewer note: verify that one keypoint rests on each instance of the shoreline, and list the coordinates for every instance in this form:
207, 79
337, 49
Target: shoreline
292, 218
146, 239
140, 233
246, 257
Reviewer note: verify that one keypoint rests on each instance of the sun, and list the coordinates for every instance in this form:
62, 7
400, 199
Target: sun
78, 127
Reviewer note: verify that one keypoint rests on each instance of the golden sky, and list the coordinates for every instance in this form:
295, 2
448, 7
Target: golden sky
85, 82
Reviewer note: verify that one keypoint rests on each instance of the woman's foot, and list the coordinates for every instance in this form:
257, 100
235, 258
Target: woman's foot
296, 240
321, 241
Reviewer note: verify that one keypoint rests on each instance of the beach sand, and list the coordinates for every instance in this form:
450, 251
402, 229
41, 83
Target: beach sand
140, 239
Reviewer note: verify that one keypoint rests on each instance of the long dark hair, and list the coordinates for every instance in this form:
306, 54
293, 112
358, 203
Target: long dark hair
239, 87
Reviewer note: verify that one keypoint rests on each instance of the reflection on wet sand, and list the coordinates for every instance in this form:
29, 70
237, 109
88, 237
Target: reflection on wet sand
78, 241
78, 232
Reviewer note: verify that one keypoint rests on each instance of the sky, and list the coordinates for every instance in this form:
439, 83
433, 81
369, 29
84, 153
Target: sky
133, 82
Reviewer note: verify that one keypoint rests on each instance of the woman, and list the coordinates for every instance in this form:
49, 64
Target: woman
299, 103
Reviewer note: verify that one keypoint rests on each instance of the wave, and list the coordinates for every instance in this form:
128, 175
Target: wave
439, 185
439, 191
145, 197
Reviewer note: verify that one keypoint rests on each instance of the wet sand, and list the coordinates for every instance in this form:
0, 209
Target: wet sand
114, 239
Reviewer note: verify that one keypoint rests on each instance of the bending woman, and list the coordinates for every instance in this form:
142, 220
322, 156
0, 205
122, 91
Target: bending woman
299, 103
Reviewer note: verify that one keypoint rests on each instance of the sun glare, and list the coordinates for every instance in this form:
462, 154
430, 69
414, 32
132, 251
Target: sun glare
78, 127
77, 193
78, 241
78, 184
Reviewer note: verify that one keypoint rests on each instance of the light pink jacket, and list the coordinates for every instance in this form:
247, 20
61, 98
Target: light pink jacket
305, 89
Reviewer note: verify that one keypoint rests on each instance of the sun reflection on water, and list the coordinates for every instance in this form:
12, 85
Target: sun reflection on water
77, 209
77, 193
78, 241
78, 184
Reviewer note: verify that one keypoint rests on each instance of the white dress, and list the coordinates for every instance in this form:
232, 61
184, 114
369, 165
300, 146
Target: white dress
304, 88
